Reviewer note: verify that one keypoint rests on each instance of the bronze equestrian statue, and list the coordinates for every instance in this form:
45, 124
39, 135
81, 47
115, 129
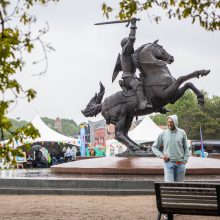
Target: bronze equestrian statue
156, 82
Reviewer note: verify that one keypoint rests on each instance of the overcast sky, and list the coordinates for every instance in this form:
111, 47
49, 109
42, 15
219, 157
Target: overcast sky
85, 54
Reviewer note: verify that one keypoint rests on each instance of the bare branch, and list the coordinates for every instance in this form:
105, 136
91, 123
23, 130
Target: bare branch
44, 59
2, 23
14, 10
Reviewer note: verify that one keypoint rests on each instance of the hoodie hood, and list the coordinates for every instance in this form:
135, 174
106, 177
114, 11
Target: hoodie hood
175, 120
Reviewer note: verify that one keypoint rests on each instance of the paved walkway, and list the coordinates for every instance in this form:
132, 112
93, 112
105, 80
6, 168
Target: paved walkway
49, 207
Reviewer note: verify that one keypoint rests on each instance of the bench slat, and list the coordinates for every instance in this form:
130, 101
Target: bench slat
194, 201
188, 192
186, 188
189, 196
190, 184
163, 188
189, 206
192, 212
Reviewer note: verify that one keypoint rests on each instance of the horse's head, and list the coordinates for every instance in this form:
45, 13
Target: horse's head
160, 53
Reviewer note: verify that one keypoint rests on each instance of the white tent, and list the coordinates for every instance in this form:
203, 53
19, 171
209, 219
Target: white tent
146, 131
47, 134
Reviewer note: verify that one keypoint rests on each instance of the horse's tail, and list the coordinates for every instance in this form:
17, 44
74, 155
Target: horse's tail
94, 106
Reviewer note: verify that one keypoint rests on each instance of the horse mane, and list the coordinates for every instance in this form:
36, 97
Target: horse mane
137, 55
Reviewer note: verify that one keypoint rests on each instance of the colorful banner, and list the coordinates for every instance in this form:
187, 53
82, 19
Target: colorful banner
83, 143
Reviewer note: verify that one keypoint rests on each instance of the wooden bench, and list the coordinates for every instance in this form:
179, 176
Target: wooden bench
187, 198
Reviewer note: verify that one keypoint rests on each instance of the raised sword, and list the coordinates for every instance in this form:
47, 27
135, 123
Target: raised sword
117, 22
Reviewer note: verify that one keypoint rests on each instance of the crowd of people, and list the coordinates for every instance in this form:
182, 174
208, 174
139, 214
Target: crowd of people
67, 155
41, 158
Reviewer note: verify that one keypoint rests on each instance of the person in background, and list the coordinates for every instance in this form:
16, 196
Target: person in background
54, 158
38, 158
102, 151
29, 158
97, 150
87, 152
112, 151
92, 152
64, 150
49, 160
175, 153
68, 155
29, 163
74, 150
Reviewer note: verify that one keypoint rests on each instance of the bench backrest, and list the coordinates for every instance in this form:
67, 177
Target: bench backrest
188, 198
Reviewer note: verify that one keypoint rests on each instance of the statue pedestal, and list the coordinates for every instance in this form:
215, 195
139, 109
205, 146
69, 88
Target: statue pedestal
135, 154
135, 165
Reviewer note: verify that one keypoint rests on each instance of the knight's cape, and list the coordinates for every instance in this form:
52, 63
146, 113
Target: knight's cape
117, 68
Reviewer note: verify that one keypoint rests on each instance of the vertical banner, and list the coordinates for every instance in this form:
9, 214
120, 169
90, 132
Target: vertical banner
82, 138
202, 146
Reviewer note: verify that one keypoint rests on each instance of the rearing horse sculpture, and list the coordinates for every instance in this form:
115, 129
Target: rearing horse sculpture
160, 87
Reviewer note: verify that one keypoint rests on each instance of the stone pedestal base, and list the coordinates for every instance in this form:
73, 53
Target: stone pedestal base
135, 165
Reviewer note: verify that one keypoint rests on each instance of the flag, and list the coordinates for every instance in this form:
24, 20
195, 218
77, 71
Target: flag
202, 147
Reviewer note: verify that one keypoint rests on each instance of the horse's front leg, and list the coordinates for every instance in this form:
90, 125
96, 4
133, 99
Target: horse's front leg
128, 122
121, 129
119, 136
195, 74
173, 92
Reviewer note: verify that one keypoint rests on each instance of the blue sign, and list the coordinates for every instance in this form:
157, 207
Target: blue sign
202, 146
83, 143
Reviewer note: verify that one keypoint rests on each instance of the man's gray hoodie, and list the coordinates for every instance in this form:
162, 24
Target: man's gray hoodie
174, 143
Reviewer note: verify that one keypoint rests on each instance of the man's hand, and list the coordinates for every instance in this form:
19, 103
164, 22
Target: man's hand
165, 158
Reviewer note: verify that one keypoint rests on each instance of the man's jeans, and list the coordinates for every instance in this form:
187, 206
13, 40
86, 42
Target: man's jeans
174, 172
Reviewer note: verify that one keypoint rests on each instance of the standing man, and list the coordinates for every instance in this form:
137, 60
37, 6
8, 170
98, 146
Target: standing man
175, 150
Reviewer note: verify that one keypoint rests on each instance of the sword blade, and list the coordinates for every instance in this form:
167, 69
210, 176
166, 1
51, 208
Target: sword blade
112, 22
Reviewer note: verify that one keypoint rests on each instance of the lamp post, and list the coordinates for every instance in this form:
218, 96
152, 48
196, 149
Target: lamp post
19, 125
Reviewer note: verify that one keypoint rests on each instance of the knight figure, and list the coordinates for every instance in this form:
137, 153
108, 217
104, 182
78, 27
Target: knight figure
125, 62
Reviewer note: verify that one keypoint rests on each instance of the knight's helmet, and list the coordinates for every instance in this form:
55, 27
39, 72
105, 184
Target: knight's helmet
124, 41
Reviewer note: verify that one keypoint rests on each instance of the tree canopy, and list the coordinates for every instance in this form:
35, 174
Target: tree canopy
204, 12
17, 39
69, 126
